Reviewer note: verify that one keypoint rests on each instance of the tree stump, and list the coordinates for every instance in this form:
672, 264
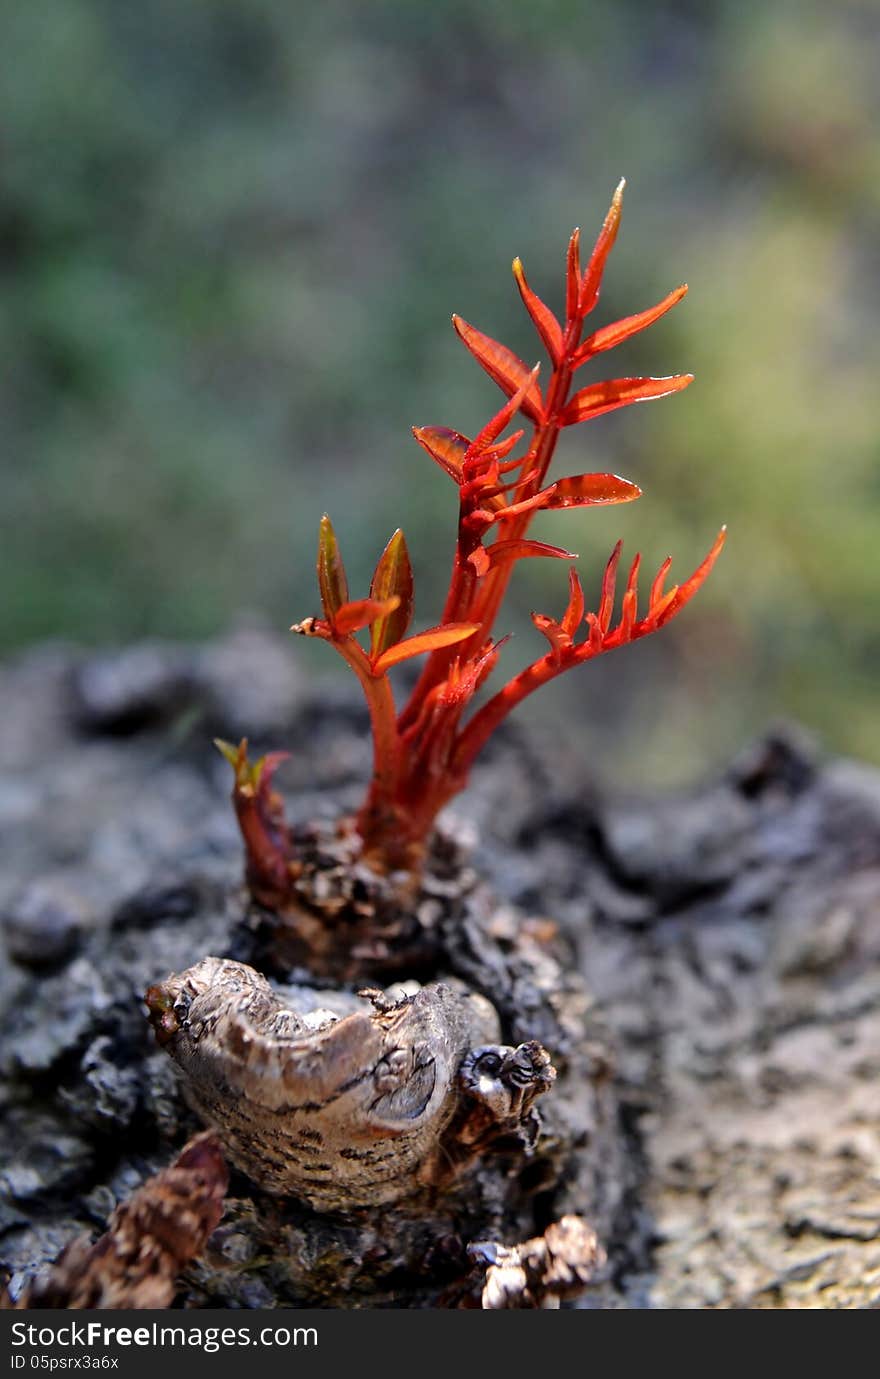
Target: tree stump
702, 969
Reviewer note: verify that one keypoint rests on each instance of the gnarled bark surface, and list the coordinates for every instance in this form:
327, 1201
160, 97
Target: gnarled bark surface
715, 1118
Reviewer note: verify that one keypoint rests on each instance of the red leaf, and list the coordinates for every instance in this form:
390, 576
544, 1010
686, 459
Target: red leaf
656, 617
609, 579
578, 491
596, 636
537, 500
234, 755
592, 280
253, 777
351, 617
656, 594
493, 428
392, 578
503, 367
521, 549
436, 637
687, 590
482, 668
545, 322
630, 600
264, 769
501, 450
331, 571
627, 617
555, 633
574, 613
463, 681
620, 392
588, 490
479, 559
447, 448
618, 331
573, 275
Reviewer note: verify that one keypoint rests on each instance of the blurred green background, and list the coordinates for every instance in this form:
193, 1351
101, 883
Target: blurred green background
231, 236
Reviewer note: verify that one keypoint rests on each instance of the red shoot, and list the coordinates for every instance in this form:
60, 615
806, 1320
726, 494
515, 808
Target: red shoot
423, 752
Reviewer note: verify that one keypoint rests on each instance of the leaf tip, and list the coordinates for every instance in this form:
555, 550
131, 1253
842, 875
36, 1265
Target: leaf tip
231, 753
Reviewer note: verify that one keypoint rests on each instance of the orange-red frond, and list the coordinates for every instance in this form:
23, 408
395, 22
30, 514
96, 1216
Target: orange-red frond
556, 635
445, 635
573, 275
545, 322
264, 769
465, 680
523, 549
574, 613
588, 490
332, 580
609, 580
503, 367
687, 590
447, 448
620, 392
479, 561
480, 669
255, 778
596, 636
537, 500
392, 579
608, 336
351, 617
657, 587
592, 279
502, 419
627, 615
501, 450
237, 758
578, 491
657, 613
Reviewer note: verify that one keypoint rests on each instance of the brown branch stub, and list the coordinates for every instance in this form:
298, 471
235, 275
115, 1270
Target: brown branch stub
542, 1272
150, 1238
359, 1105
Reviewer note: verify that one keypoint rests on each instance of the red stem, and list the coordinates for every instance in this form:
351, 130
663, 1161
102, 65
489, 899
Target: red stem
383, 721
477, 732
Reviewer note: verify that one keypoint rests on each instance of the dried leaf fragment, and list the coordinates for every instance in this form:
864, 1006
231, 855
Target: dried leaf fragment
541, 1272
150, 1238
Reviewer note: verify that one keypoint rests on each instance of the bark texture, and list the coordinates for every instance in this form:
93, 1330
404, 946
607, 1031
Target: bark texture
702, 969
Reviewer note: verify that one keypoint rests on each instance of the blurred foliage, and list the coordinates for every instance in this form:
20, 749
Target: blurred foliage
231, 236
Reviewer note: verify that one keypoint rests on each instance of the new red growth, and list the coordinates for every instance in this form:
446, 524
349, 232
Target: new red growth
424, 751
